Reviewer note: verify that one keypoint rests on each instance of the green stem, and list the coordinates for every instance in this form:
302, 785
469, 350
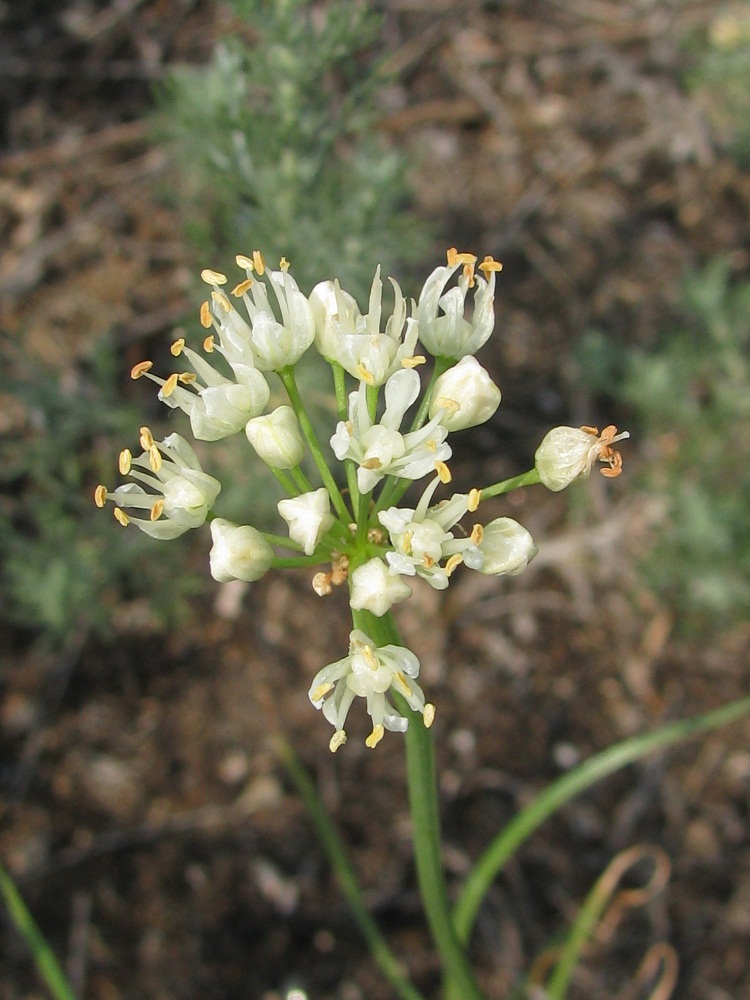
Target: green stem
423, 802
286, 482
281, 540
301, 479
47, 965
290, 384
530, 478
561, 791
345, 875
350, 467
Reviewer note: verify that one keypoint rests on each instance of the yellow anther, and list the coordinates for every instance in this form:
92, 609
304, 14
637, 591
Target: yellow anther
157, 509
428, 715
401, 682
124, 461
454, 257
405, 543
372, 464
453, 563
121, 516
468, 273
428, 561
284, 264
176, 349
100, 495
444, 403
418, 359
137, 371
222, 301
444, 473
258, 263
146, 439
370, 658
243, 287
337, 740
154, 458
431, 445
207, 320
375, 736
187, 378
322, 585
490, 264
243, 261
475, 498
208, 344
169, 386
477, 534
213, 277
321, 691
364, 375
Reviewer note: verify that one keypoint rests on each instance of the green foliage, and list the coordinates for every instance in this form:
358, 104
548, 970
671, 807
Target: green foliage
275, 146
65, 566
691, 402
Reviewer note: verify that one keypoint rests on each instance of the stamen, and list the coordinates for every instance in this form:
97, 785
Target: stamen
475, 498
418, 359
208, 344
428, 715
187, 378
100, 495
373, 463
489, 264
443, 403
243, 287
284, 264
444, 473
364, 375
243, 261
370, 658
213, 277
258, 262
222, 301
321, 691
157, 509
375, 736
337, 740
154, 458
121, 516
124, 461
477, 534
139, 370
322, 584
401, 682
453, 563
169, 386
176, 349
146, 439
206, 318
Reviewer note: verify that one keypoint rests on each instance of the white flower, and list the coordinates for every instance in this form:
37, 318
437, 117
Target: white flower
379, 449
276, 438
308, 516
239, 552
451, 334
569, 453
182, 493
506, 547
355, 341
374, 588
422, 538
217, 406
465, 394
369, 672
275, 343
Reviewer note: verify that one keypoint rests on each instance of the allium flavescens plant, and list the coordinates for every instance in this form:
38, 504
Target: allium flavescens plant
351, 527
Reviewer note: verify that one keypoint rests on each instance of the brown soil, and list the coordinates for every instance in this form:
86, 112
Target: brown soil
147, 820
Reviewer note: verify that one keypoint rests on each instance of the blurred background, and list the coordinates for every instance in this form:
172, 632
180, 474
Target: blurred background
601, 151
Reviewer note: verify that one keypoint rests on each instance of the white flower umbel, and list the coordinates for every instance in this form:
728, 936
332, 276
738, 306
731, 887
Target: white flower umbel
443, 327
422, 538
181, 492
374, 588
569, 453
276, 438
239, 552
369, 672
380, 449
344, 335
308, 516
506, 548
275, 343
465, 395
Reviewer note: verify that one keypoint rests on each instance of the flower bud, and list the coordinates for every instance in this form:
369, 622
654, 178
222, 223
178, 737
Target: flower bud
276, 438
238, 552
466, 395
507, 548
375, 589
569, 453
308, 516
